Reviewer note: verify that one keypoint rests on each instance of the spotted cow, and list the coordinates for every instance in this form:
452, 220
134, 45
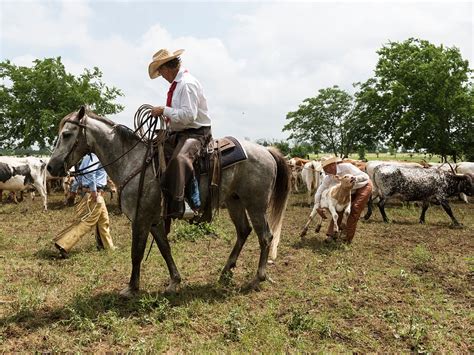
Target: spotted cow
19, 174
370, 168
426, 185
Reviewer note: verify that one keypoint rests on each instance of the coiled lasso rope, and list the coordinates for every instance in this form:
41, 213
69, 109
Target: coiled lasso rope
146, 128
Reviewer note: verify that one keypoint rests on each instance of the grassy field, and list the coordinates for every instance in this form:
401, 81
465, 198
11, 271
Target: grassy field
399, 287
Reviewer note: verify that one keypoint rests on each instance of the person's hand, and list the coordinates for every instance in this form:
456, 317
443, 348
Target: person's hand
94, 196
321, 213
157, 111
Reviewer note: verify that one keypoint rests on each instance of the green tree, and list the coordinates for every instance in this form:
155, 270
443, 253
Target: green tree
420, 98
301, 150
33, 100
283, 146
325, 121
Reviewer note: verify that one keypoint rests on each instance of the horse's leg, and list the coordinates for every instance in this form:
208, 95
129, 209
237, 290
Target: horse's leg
243, 229
260, 224
161, 239
140, 230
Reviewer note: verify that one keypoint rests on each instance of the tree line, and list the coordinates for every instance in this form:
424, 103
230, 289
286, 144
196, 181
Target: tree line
34, 99
420, 98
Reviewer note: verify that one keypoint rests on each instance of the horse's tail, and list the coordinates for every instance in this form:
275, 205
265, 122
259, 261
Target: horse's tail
279, 199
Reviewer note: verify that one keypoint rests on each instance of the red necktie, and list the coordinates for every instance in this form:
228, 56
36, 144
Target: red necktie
170, 93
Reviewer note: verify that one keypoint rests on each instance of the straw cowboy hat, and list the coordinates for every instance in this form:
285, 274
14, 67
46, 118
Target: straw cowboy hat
160, 58
329, 160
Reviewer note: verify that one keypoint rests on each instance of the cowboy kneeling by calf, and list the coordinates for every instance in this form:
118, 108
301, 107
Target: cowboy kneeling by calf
360, 194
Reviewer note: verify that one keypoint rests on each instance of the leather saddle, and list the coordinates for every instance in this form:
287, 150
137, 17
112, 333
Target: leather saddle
220, 154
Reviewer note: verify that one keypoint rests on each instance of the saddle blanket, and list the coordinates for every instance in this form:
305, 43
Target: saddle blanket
232, 151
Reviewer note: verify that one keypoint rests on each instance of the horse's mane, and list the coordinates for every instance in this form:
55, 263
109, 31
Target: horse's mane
125, 132
121, 130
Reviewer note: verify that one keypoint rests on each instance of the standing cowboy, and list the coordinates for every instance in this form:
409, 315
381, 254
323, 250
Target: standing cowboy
360, 193
190, 125
91, 211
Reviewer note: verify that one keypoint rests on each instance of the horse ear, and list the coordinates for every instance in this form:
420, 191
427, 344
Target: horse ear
81, 113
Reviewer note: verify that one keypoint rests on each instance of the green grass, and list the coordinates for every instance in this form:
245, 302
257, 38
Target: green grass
400, 287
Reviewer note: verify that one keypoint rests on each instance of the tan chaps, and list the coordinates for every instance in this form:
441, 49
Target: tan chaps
88, 215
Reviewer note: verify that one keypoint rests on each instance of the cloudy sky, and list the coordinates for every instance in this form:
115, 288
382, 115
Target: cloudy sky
256, 61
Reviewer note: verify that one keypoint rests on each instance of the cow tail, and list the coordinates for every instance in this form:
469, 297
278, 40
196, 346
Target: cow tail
279, 199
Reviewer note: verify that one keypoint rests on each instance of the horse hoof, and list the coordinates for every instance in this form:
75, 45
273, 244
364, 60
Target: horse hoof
271, 262
254, 285
226, 278
128, 292
172, 288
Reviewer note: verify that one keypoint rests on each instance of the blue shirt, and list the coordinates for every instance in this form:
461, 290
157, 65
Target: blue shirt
93, 180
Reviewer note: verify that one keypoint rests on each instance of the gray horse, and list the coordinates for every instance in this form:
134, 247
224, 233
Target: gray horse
257, 187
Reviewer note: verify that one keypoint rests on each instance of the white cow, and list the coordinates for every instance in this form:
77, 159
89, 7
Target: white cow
19, 174
313, 175
465, 167
296, 166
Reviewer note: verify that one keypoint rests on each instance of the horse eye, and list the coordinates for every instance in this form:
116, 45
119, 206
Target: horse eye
67, 135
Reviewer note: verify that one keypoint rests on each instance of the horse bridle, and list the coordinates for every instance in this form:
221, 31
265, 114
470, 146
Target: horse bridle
82, 128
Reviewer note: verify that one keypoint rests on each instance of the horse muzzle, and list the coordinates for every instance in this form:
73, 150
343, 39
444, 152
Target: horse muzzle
56, 169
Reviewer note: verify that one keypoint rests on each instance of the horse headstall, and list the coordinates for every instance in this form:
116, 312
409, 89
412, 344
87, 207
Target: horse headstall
82, 125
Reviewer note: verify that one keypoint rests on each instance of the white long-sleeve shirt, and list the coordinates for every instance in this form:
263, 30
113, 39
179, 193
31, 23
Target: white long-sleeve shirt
188, 105
342, 169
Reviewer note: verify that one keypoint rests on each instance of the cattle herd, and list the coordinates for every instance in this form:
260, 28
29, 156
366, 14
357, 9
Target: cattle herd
409, 181
20, 174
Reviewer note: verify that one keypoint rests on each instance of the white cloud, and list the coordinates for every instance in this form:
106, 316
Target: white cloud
264, 64
39, 25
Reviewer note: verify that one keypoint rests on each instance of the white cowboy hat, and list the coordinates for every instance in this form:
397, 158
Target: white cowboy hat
329, 160
160, 58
